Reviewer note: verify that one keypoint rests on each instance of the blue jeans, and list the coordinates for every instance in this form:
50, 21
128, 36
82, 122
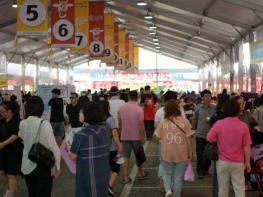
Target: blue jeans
172, 174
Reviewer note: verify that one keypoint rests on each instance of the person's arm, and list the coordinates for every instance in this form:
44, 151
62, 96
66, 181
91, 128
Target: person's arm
74, 148
157, 132
119, 121
247, 151
52, 144
116, 139
194, 119
212, 134
8, 141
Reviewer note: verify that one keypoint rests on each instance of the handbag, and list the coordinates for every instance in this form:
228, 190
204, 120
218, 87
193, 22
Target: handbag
189, 172
210, 152
41, 155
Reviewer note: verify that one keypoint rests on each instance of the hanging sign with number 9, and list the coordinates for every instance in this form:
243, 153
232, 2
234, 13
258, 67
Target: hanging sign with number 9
32, 17
63, 23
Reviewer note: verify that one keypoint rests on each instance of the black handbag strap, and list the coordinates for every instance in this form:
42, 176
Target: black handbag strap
177, 126
38, 132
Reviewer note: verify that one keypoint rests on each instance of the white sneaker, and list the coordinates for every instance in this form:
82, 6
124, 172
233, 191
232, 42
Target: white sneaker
169, 194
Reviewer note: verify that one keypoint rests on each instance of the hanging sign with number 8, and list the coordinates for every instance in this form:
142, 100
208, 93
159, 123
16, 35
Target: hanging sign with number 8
32, 17
62, 23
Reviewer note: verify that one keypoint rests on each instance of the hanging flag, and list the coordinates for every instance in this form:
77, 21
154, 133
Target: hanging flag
136, 58
122, 55
62, 23
131, 52
126, 61
96, 29
32, 18
116, 45
81, 26
109, 38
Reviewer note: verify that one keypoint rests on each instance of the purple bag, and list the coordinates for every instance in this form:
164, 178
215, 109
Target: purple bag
189, 175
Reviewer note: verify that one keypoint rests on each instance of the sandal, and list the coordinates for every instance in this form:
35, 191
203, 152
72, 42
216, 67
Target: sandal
127, 182
146, 174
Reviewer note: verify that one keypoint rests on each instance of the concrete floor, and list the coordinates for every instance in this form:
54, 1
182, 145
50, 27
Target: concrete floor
65, 185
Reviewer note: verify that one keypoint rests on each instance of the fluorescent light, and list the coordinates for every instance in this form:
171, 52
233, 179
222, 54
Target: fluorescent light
14, 5
141, 3
151, 27
157, 47
155, 39
148, 17
152, 33
156, 43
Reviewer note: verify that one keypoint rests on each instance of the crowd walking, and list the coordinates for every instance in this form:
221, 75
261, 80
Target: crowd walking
102, 130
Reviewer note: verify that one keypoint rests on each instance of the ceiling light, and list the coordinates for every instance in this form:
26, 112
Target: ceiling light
152, 26
14, 5
148, 16
157, 47
156, 43
141, 3
155, 39
152, 32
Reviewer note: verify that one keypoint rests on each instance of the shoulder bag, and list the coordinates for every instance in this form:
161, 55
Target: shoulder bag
41, 155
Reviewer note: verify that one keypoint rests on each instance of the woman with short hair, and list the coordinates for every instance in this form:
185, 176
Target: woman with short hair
90, 148
38, 178
175, 135
233, 142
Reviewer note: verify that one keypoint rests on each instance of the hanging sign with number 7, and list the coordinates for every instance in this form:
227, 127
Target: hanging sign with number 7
96, 29
32, 18
62, 23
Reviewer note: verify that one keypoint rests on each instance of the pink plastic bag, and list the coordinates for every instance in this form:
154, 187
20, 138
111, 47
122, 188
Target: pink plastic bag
189, 175
69, 162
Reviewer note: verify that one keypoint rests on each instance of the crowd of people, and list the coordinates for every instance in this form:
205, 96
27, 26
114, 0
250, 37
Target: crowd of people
102, 129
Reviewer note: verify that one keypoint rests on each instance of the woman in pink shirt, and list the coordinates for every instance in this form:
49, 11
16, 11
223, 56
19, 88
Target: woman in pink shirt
233, 141
175, 134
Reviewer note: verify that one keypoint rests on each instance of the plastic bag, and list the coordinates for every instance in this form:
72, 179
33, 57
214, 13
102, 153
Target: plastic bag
189, 175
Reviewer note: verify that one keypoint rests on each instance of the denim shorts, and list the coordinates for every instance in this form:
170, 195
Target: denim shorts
58, 129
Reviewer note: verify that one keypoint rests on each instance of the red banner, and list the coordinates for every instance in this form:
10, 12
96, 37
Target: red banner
62, 23
96, 25
126, 62
104, 84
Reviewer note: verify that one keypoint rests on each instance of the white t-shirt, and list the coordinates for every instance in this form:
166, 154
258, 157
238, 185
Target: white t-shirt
115, 105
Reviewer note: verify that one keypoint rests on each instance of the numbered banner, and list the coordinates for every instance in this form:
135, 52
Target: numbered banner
131, 52
109, 38
116, 42
62, 23
96, 26
32, 18
81, 26
136, 58
126, 62
121, 64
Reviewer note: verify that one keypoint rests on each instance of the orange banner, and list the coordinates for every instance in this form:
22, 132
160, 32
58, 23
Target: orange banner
109, 38
96, 26
121, 47
32, 18
82, 26
126, 62
136, 59
62, 23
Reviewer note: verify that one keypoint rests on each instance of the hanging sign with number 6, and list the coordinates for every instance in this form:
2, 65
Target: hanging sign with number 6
32, 18
62, 23
96, 29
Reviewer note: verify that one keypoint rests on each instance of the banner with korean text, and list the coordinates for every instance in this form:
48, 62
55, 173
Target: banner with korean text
96, 29
82, 27
32, 18
109, 38
62, 23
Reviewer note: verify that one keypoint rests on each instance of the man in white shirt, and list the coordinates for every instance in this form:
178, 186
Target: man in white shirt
115, 102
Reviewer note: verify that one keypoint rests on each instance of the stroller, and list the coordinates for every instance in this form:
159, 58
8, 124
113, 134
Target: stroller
256, 176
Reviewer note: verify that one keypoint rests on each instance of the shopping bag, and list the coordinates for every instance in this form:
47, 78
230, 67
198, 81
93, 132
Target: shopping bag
189, 175
69, 162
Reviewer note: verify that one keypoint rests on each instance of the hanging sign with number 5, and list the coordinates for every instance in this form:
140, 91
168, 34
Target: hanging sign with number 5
62, 23
96, 29
32, 18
